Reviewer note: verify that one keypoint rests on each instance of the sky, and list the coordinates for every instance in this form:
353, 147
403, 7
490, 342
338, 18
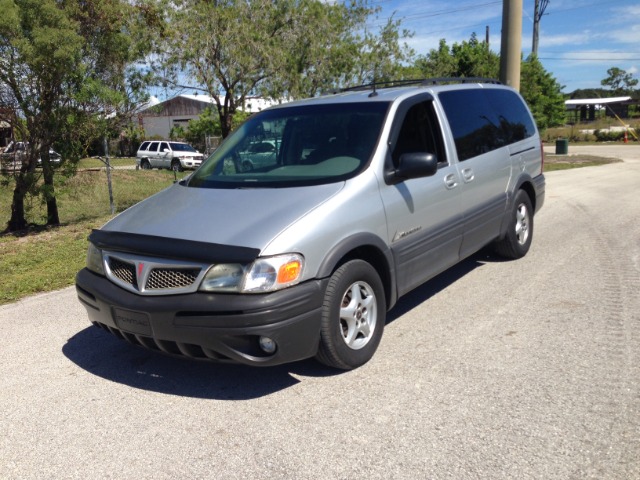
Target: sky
579, 40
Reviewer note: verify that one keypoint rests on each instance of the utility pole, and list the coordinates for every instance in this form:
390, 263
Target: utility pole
511, 43
538, 12
105, 144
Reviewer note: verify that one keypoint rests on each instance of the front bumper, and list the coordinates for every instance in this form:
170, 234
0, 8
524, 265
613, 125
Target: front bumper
190, 163
221, 327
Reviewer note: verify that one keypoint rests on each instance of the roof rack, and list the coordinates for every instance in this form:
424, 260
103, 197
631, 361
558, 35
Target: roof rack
421, 82
446, 80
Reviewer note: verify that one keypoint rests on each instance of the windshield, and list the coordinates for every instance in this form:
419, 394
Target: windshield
295, 146
181, 147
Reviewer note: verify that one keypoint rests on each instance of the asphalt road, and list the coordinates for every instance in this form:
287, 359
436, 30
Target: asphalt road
524, 369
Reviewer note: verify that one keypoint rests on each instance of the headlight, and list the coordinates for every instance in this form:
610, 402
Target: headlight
273, 273
223, 278
94, 259
264, 275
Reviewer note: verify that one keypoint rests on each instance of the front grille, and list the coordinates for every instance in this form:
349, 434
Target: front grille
125, 272
171, 278
153, 276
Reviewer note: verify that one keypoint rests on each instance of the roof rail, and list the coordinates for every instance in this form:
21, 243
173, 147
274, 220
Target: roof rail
418, 81
447, 80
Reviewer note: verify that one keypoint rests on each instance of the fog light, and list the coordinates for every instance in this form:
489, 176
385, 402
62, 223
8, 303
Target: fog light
267, 345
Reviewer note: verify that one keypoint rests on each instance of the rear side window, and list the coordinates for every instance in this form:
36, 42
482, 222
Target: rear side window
483, 120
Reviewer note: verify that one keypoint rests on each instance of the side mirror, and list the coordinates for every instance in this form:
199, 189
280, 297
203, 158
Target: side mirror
413, 165
166, 150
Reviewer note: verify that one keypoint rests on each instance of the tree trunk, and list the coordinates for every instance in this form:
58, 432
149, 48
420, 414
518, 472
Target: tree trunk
17, 221
52, 205
226, 123
24, 181
53, 219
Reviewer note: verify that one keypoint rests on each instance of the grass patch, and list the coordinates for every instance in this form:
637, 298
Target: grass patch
44, 259
85, 196
114, 162
566, 162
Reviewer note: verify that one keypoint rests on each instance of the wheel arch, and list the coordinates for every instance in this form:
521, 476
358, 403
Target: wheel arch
373, 250
525, 183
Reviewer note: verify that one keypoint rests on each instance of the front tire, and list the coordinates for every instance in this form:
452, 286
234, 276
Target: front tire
353, 316
176, 166
517, 241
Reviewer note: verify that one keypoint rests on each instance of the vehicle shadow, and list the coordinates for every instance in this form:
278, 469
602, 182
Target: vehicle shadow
427, 290
102, 354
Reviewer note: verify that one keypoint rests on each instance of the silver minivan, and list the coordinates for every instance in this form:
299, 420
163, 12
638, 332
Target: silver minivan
368, 194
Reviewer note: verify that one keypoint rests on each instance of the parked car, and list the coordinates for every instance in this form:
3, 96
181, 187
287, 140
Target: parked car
372, 193
15, 153
258, 154
176, 156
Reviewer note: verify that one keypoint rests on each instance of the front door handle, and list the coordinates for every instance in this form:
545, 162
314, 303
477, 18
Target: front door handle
451, 181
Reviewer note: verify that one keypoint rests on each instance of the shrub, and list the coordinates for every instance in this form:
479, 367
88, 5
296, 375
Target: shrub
608, 135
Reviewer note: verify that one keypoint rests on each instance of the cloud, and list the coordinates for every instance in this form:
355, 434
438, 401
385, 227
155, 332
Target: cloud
626, 11
580, 38
627, 35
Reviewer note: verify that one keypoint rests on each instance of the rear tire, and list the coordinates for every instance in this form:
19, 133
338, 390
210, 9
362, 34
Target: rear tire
353, 316
517, 241
145, 165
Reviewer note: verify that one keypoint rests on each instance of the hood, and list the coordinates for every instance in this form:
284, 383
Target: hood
238, 217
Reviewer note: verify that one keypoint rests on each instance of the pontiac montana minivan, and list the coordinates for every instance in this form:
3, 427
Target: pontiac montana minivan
367, 194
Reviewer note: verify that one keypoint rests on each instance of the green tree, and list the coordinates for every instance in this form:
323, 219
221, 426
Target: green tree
467, 59
474, 59
437, 63
65, 64
281, 49
619, 81
542, 93
378, 57
207, 124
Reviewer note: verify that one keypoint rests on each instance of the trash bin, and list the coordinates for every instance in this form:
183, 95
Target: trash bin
562, 146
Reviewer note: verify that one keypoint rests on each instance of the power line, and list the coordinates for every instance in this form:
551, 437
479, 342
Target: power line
581, 52
438, 13
584, 7
582, 59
